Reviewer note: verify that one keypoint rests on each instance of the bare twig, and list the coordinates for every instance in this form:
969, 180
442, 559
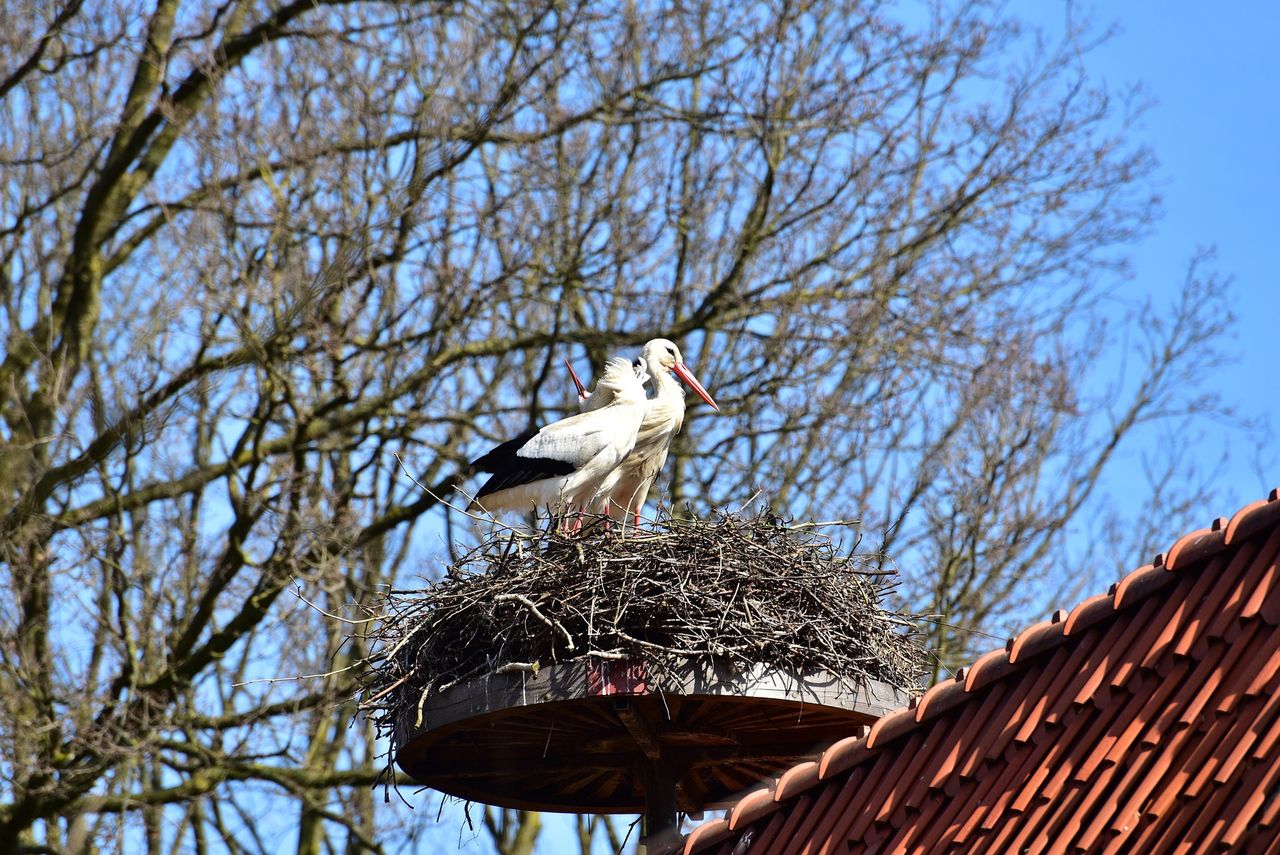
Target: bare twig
753, 590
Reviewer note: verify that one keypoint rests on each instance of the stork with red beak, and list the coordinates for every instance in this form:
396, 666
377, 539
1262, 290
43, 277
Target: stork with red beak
565, 464
627, 486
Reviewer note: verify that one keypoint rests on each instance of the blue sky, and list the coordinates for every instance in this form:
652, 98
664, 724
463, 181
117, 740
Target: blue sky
1214, 126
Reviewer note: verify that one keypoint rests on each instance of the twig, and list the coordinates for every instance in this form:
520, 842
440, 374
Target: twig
511, 667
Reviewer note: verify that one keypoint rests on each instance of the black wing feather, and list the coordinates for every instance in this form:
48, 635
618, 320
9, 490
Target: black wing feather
526, 471
499, 457
511, 470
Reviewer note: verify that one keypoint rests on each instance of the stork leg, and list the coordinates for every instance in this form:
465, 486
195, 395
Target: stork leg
570, 520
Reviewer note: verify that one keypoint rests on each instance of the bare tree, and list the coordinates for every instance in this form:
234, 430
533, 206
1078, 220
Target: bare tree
251, 250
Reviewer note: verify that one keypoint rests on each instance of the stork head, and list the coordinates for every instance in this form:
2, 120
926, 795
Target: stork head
663, 355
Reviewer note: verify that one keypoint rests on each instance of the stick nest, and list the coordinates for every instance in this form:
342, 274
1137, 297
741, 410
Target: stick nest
752, 589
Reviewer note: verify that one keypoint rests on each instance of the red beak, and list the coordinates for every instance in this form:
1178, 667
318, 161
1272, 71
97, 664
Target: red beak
687, 376
582, 390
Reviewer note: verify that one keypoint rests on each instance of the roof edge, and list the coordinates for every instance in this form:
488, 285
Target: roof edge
1190, 551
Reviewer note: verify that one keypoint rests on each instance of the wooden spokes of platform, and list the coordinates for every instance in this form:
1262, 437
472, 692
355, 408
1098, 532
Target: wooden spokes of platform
591, 736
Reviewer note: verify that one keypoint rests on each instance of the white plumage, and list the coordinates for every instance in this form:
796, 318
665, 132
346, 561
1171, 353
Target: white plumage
625, 489
565, 464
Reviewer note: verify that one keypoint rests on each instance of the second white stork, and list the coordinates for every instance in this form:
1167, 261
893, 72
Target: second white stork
566, 463
627, 487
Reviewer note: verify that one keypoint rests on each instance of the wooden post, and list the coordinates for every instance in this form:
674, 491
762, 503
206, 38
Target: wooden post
659, 827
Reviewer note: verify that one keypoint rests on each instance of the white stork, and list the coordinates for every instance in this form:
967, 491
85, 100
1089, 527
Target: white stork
626, 488
565, 464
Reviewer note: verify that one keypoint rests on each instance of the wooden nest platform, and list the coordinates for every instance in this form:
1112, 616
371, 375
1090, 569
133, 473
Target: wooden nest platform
685, 662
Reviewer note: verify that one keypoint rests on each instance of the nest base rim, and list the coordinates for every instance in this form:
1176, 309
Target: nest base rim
583, 735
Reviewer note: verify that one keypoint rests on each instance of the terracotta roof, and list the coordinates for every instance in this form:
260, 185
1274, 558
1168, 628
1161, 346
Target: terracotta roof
1145, 720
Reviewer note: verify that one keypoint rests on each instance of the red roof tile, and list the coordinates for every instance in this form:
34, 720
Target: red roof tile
1145, 719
